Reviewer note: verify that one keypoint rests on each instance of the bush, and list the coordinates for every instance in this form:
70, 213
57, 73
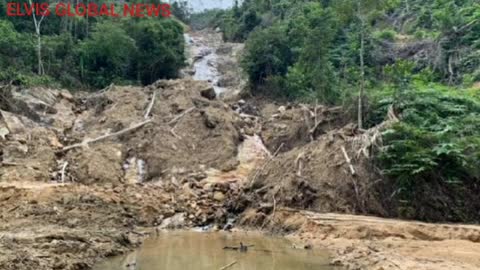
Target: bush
16, 49
160, 45
386, 34
267, 54
435, 147
91, 53
106, 55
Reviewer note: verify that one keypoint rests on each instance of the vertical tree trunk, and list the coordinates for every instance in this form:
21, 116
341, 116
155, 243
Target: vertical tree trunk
86, 27
39, 52
37, 24
362, 70
362, 82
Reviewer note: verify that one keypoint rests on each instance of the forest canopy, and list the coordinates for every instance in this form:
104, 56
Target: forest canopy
89, 52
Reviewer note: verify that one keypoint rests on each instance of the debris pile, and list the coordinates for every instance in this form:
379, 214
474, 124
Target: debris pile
321, 165
98, 135
81, 172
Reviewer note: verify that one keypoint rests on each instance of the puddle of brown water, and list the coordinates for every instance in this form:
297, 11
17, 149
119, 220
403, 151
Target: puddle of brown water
202, 251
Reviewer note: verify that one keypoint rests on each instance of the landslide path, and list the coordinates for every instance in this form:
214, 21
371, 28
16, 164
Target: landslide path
88, 175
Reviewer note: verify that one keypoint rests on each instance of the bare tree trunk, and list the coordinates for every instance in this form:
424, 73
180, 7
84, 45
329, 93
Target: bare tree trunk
362, 75
450, 70
39, 53
38, 24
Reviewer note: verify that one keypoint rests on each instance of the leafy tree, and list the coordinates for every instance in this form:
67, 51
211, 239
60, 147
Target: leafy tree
435, 147
160, 45
314, 59
86, 52
267, 54
106, 55
181, 11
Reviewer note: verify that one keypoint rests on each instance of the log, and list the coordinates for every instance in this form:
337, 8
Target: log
239, 247
118, 133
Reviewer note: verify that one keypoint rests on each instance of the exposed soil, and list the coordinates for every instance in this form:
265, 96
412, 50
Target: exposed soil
89, 175
361, 242
172, 171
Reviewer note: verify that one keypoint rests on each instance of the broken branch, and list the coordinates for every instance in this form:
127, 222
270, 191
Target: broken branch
178, 117
228, 265
64, 167
150, 106
349, 161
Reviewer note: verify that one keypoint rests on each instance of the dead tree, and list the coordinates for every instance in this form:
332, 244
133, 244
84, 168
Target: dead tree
37, 22
362, 64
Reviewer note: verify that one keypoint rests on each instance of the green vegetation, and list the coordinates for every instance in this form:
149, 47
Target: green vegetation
421, 56
432, 157
90, 52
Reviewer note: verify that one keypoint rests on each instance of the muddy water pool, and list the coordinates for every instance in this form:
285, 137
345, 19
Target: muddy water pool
187, 250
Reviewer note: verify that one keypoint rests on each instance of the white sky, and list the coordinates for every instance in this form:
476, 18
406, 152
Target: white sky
199, 5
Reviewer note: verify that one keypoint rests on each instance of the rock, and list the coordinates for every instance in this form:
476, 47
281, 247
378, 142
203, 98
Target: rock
3, 131
211, 121
218, 196
66, 95
249, 131
38, 100
230, 165
208, 93
14, 150
207, 186
265, 208
12, 122
174, 222
198, 176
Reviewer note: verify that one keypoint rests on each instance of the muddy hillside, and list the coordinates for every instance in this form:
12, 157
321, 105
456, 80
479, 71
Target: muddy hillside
86, 176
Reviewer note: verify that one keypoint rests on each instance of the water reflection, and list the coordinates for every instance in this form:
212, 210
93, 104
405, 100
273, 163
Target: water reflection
202, 251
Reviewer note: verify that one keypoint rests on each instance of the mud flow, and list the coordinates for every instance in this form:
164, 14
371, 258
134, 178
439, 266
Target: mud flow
206, 251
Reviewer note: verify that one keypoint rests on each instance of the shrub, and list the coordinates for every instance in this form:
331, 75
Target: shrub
386, 34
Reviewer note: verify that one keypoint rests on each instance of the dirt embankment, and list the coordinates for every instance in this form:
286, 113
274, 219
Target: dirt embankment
361, 242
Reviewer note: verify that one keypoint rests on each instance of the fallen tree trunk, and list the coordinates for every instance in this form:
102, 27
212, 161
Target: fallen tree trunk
118, 133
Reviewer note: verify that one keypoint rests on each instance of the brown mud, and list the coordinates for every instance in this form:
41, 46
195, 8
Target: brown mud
85, 176
363, 242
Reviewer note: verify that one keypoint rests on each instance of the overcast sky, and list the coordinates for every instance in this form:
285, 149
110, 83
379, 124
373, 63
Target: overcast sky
199, 5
